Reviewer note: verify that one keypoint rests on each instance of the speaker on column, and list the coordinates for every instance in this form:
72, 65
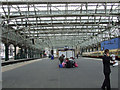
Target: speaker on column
33, 42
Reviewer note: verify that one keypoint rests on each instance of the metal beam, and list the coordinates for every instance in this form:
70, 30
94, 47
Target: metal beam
56, 2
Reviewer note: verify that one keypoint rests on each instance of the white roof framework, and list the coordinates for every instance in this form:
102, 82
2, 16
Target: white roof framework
59, 24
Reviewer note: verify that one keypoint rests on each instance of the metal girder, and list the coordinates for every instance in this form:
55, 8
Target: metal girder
62, 15
68, 20
19, 2
58, 24
62, 31
70, 29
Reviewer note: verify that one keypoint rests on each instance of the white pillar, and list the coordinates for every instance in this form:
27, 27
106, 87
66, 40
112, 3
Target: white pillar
0, 57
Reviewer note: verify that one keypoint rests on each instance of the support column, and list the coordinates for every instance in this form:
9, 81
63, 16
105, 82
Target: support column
52, 51
15, 55
88, 49
6, 52
21, 53
28, 53
25, 52
0, 51
97, 48
35, 53
38, 54
23, 56
92, 49
32, 53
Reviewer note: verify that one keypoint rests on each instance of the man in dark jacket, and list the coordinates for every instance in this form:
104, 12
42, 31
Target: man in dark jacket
106, 69
61, 58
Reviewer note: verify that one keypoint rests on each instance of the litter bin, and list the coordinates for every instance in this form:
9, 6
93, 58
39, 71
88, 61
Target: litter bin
52, 57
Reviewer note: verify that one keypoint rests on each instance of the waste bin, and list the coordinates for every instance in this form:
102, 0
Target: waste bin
52, 57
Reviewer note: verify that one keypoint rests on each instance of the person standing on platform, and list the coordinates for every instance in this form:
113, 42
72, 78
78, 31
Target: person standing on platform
106, 70
61, 58
115, 61
77, 56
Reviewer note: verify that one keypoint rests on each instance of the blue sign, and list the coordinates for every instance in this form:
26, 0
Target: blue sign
111, 44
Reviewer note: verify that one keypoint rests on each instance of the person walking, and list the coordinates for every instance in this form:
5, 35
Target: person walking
106, 70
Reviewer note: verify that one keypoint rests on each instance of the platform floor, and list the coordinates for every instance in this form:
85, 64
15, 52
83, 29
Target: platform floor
46, 74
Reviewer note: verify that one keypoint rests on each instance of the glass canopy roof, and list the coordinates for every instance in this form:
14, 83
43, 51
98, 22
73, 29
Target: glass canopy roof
64, 23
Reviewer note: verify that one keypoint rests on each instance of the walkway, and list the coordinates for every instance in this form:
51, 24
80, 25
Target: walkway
46, 74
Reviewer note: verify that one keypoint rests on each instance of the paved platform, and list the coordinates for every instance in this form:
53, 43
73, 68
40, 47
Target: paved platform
46, 74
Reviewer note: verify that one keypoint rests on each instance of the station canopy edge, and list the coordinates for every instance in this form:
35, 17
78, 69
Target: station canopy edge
58, 1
